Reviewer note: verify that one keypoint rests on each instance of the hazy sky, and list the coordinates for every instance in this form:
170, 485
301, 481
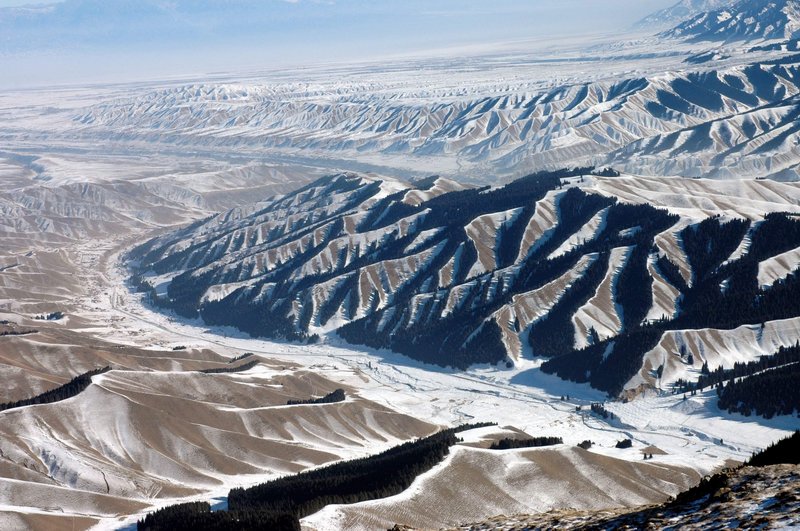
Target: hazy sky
92, 40
11, 3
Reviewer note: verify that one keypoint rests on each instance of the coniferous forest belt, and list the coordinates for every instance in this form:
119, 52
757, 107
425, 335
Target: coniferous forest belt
431, 278
63, 392
334, 396
279, 504
767, 386
534, 442
239, 368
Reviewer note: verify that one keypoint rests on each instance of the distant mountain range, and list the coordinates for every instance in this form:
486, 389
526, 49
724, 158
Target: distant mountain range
743, 20
703, 120
679, 12
459, 276
670, 106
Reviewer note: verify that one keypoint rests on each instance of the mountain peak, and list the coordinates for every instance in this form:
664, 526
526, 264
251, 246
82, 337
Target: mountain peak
679, 12
743, 20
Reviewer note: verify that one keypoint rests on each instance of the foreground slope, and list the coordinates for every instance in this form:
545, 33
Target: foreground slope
763, 494
476, 481
764, 497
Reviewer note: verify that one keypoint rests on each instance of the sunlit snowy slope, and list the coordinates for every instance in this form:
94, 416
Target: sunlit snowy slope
718, 120
457, 276
744, 19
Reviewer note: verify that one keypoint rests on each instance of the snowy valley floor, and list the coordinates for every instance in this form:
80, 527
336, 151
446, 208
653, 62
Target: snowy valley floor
688, 438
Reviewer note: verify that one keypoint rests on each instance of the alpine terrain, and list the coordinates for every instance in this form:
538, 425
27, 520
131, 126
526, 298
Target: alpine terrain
531, 280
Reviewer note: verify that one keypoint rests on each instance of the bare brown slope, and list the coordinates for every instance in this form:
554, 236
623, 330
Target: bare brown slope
759, 498
141, 435
474, 483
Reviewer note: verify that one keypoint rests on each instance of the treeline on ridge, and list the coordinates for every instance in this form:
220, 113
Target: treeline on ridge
455, 324
334, 396
195, 516
239, 368
508, 443
719, 376
769, 393
766, 386
62, 392
723, 294
785, 451
279, 504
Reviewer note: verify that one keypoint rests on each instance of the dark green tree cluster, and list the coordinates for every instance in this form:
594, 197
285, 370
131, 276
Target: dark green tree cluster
607, 365
332, 397
53, 316
279, 504
533, 442
634, 287
786, 451
708, 243
62, 392
719, 376
728, 295
198, 515
600, 410
26, 332
671, 273
239, 368
554, 334
240, 357
769, 393
379, 476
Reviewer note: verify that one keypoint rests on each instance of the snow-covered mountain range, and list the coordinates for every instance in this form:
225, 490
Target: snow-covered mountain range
743, 20
673, 104
730, 121
680, 11
475, 295
457, 276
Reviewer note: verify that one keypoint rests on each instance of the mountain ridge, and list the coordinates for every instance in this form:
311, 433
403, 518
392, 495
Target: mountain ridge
743, 20
480, 275
679, 12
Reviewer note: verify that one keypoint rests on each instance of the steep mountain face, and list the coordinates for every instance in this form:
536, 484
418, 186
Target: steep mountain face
679, 12
744, 20
590, 271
